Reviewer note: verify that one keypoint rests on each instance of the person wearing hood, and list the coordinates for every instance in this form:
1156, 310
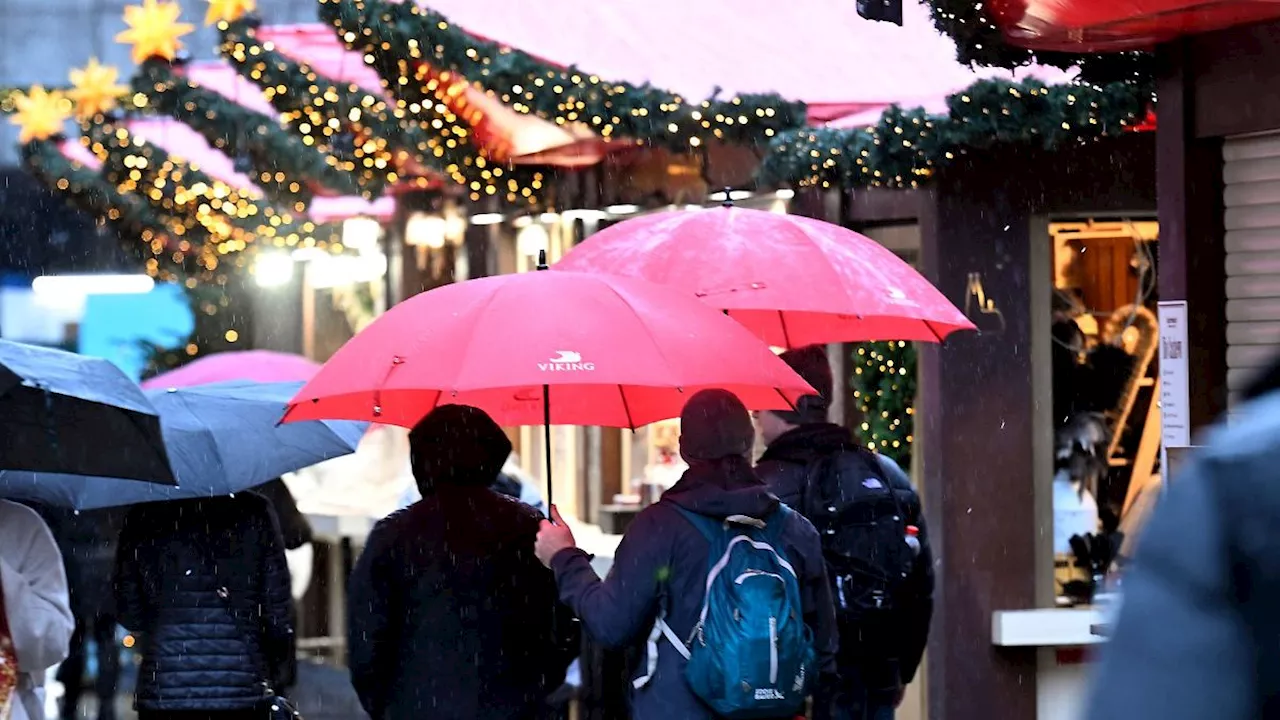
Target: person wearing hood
808, 458
451, 616
35, 611
662, 561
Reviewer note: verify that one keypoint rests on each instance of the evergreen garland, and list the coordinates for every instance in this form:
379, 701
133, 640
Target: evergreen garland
884, 382
907, 147
192, 199
421, 128
401, 37
212, 292
282, 165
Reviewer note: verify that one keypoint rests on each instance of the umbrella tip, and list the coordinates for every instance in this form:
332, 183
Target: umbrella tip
542, 259
728, 197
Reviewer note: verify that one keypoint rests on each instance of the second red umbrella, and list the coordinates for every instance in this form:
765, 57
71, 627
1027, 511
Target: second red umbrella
547, 348
792, 280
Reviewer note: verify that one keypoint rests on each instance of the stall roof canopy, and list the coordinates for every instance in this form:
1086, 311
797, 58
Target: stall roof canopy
816, 51
1114, 25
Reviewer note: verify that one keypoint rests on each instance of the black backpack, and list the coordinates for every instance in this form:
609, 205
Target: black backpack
863, 528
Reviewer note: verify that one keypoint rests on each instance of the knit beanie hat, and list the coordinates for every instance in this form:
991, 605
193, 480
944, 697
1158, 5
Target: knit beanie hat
811, 364
715, 424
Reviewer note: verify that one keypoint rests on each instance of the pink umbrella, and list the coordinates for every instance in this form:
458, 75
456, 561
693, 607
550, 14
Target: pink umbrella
252, 365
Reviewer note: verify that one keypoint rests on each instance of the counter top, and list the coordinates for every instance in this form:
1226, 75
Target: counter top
1049, 627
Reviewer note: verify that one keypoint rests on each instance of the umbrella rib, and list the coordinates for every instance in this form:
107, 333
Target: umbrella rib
626, 407
658, 346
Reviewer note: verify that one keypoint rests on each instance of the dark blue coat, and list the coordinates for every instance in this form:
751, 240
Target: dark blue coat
663, 554
1198, 634
201, 651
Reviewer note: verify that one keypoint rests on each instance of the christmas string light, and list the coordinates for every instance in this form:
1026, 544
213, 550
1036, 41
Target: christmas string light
397, 38
884, 387
906, 148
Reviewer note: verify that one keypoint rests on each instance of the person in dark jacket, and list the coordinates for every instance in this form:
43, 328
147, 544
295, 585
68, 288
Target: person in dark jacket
205, 585
88, 544
662, 556
1198, 634
875, 672
451, 616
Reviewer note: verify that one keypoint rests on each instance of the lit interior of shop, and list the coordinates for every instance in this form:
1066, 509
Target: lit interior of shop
1106, 390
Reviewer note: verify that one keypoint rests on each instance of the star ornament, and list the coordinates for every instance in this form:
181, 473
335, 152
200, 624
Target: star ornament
94, 89
39, 114
154, 30
228, 10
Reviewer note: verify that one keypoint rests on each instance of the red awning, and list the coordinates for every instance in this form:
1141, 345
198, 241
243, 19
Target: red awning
1115, 25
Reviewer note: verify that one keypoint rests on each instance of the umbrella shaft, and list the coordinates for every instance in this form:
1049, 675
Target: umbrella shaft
546, 437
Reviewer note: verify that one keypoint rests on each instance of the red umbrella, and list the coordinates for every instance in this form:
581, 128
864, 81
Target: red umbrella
253, 365
793, 281
546, 348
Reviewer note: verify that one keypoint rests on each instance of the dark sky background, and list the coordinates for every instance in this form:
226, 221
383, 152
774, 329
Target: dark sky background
40, 234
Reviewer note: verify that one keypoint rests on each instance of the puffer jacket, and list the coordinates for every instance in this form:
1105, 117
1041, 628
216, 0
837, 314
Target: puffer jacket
202, 651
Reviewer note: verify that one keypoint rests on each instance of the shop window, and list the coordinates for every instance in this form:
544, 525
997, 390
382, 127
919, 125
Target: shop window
1105, 387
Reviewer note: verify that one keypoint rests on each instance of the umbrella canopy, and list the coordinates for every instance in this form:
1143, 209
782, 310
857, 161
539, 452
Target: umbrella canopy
62, 412
264, 366
792, 280
223, 439
603, 350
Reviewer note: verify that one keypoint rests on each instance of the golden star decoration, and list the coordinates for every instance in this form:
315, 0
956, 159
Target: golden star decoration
94, 88
39, 114
154, 30
228, 10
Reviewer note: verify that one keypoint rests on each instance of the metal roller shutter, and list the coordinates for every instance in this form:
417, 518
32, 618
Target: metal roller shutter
1251, 174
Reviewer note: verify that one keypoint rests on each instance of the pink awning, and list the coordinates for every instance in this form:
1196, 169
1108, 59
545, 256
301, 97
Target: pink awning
223, 79
522, 138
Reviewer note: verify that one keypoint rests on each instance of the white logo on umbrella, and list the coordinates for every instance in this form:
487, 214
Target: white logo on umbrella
566, 360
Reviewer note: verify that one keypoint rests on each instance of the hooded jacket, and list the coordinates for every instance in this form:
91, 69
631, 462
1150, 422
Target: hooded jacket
451, 614
663, 558
1198, 635
784, 467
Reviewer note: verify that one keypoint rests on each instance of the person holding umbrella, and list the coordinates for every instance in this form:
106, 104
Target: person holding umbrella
35, 611
451, 614
662, 575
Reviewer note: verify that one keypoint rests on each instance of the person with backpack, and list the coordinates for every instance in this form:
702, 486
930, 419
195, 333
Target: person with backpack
873, 538
720, 587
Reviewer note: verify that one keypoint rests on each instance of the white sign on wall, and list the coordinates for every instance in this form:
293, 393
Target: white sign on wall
1175, 375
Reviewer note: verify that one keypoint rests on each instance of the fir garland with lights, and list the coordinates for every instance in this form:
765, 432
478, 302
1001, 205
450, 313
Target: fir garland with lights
884, 382
280, 163
979, 41
425, 131
211, 292
232, 218
403, 37
907, 147
344, 122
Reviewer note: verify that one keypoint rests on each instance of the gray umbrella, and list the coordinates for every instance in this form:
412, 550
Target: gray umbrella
66, 413
223, 439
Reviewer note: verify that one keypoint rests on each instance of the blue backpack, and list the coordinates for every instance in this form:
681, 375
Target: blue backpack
750, 654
